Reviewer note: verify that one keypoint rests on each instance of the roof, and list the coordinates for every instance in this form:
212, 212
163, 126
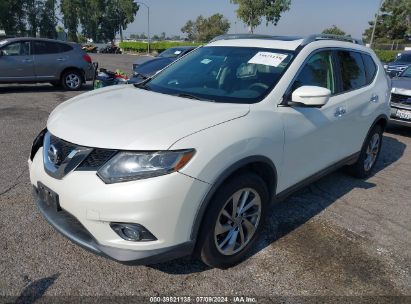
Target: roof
33, 38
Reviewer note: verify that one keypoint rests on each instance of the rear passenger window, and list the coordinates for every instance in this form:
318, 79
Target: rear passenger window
64, 47
370, 68
45, 47
352, 70
318, 71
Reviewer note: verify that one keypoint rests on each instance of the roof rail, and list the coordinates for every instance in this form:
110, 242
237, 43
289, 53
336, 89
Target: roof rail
255, 36
317, 37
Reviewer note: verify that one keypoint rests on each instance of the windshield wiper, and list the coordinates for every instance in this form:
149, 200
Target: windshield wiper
143, 85
190, 96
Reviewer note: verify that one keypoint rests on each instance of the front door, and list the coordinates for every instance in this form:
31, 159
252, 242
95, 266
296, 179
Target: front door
313, 135
16, 62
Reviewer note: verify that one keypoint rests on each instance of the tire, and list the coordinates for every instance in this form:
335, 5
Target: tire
215, 247
72, 80
369, 154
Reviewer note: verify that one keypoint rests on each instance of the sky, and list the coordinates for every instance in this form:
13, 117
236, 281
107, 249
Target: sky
305, 16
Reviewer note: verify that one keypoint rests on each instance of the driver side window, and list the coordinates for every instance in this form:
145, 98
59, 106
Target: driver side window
16, 49
318, 71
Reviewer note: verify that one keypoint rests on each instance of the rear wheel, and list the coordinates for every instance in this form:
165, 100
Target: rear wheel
72, 80
234, 221
368, 155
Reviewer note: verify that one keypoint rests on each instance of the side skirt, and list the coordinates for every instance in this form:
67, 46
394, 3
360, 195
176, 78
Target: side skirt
287, 192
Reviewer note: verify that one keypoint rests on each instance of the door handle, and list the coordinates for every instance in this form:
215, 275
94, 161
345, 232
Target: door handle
61, 59
340, 111
27, 60
374, 98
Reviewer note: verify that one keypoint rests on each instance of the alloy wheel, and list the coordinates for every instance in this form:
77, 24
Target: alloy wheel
237, 221
73, 81
372, 152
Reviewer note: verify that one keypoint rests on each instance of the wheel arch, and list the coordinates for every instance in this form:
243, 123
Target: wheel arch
261, 165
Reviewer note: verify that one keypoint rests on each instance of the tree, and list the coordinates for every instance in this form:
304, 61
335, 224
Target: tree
205, 29
12, 17
334, 30
251, 12
70, 11
393, 22
48, 20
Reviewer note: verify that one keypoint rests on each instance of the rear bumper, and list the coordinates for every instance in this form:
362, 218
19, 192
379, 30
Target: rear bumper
70, 227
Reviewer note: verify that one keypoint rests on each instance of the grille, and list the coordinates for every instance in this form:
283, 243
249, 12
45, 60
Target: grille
96, 159
398, 98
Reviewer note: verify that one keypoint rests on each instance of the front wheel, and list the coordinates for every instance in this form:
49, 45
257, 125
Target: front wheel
234, 221
368, 155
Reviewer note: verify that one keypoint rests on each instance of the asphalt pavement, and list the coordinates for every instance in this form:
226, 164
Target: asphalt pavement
338, 237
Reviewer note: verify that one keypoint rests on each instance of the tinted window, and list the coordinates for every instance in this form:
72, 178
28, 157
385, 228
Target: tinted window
17, 49
64, 47
45, 47
370, 68
318, 71
352, 70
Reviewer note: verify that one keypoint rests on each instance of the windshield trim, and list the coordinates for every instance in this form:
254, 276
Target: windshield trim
260, 98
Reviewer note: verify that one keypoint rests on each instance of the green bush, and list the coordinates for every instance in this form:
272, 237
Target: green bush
141, 47
386, 56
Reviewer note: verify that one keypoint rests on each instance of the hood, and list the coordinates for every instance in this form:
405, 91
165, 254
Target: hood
401, 83
124, 117
142, 59
151, 67
399, 63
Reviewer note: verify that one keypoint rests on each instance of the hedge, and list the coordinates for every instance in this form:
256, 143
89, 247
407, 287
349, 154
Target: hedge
141, 47
386, 56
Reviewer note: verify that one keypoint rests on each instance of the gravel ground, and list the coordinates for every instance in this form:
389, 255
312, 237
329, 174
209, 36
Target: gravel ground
338, 237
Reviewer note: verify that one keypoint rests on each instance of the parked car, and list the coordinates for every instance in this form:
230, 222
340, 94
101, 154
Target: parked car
189, 161
149, 68
402, 61
34, 60
171, 54
401, 98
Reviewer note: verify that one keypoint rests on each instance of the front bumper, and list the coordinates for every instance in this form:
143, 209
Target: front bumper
70, 227
165, 205
394, 119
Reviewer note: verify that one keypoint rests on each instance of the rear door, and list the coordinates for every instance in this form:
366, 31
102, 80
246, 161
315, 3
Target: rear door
357, 73
16, 62
50, 58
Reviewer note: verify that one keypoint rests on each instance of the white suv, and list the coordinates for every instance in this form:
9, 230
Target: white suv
189, 161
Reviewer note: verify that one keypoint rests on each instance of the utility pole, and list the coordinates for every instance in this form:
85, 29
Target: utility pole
375, 23
148, 25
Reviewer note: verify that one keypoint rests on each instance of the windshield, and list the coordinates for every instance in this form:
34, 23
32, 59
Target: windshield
224, 74
404, 57
406, 72
171, 53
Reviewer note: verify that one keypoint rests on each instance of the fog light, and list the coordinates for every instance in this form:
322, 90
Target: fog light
132, 232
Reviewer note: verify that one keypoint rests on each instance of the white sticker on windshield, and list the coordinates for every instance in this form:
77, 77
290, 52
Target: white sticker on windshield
266, 58
3, 42
177, 52
206, 61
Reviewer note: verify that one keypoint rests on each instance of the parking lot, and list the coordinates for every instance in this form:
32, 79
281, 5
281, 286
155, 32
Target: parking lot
338, 237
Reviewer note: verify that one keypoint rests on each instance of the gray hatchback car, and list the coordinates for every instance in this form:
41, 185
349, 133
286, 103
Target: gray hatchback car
32, 60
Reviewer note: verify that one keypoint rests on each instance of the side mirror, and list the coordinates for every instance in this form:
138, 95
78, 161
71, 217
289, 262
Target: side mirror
311, 96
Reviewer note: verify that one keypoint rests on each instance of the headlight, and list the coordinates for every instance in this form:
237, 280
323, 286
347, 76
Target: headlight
127, 166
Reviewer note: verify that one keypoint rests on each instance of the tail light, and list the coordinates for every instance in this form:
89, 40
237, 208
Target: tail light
87, 58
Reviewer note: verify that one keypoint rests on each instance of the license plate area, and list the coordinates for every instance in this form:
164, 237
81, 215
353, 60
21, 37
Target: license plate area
49, 197
403, 114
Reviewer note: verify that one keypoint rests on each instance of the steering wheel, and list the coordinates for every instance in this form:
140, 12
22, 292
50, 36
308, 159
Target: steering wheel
258, 85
